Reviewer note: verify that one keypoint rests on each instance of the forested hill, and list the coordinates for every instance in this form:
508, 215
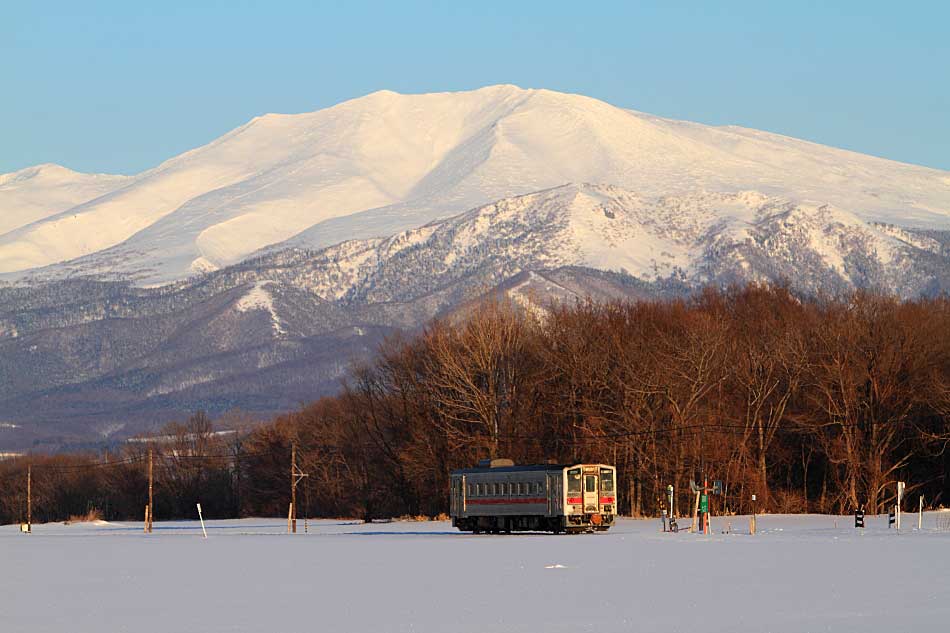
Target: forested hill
812, 405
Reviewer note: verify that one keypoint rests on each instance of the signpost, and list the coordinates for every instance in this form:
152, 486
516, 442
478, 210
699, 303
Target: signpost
702, 502
859, 518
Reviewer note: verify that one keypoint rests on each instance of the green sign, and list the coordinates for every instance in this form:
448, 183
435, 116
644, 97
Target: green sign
704, 503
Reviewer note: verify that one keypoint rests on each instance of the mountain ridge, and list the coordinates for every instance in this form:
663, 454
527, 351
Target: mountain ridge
251, 272
84, 360
386, 162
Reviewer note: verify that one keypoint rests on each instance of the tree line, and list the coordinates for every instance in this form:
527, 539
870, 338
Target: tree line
811, 404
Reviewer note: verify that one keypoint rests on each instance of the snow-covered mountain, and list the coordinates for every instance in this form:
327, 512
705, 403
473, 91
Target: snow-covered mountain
81, 359
38, 192
688, 240
315, 235
387, 162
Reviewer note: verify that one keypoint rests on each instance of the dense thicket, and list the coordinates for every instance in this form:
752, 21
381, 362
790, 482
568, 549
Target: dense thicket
812, 405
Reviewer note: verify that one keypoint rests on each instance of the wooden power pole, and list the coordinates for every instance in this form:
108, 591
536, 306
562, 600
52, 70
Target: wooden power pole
151, 506
29, 498
296, 475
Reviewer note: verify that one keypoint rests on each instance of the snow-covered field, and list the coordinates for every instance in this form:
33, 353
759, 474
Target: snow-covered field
800, 573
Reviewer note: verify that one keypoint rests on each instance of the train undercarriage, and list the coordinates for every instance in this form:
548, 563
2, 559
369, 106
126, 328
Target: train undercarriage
571, 524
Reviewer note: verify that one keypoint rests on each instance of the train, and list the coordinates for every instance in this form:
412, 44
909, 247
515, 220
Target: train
499, 496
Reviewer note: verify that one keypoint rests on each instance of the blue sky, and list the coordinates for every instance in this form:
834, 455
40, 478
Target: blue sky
120, 86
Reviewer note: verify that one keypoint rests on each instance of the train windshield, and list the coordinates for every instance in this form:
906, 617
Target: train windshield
574, 480
606, 480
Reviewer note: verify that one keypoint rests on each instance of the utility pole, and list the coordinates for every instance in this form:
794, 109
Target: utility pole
296, 475
151, 507
29, 498
293, 488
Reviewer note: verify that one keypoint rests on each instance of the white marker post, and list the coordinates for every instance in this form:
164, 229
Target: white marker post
920, 514
900, 493
201, 518
752, 520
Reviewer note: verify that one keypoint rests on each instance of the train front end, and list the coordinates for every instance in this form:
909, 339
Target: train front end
590, 492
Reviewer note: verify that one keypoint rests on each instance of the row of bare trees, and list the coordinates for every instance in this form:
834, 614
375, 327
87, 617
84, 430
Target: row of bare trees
812, 405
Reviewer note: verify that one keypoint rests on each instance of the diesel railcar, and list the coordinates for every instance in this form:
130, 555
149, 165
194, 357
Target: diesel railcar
499, 496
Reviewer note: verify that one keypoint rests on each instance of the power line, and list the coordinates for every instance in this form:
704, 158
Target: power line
219, 459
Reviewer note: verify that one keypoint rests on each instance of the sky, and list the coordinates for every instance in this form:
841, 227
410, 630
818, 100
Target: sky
121, 86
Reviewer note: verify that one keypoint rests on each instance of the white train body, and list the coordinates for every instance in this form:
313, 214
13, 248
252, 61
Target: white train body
499, 496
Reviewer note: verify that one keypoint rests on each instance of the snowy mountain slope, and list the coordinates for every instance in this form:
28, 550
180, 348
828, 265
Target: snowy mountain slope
387, 162
690, 240
79, 357
38, 192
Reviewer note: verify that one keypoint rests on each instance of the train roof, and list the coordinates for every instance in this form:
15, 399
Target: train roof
521, 468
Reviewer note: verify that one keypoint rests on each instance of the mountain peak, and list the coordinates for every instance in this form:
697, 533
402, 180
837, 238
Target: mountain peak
386, 162
43, 170
41, 191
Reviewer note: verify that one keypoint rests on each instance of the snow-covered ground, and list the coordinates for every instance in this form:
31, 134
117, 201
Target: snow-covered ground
799, 573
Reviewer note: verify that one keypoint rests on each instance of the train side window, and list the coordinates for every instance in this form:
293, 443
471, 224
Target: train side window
478, 490
494, 489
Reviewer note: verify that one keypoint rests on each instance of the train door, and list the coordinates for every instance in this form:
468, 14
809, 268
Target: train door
591, 492
457, 498
555, 494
